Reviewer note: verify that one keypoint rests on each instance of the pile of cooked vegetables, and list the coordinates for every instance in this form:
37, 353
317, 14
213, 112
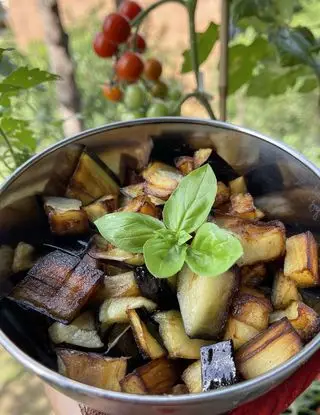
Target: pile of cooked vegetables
171, 282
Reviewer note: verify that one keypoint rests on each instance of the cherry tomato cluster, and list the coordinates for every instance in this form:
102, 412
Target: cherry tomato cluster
147, 95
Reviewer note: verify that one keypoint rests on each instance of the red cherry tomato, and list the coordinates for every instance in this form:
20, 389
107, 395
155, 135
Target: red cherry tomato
129, 67
152, 69
116, 28
139, 44
103, 47
112, 92
130, 9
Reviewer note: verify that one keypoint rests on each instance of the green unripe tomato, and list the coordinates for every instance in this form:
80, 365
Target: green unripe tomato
159, 89
174, 94
158, 109
132, 115
134, 97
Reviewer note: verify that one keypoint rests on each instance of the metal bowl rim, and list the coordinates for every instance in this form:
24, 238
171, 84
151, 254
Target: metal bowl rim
246, 387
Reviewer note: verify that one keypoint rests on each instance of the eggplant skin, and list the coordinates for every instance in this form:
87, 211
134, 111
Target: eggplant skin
311, 297
301, 260
223, 194
158, 290
92, 369
253, 275
206, 319
58, 285
268, 349
154, 378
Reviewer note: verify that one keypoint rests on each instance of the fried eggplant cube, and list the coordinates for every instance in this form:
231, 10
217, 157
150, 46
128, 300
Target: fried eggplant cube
91, 180
268, 349
252, 310
303, 319
284, 291
154, 378
242, 206
58, 285
66, 216
238, 186
223, 194
205, 302
162, 175
148, 346
174, 337
80, 332
192, 377
218, 366
185, 164
239, 332
311, 297
102, 206
92, 369
142, 204
201, 156
253, 275
261, 241
301, 260
24, 257
120, 285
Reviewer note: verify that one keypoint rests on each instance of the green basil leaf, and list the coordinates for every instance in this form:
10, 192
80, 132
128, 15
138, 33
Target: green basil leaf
213, 251
190, 204
183, 237
164, 258
128, 230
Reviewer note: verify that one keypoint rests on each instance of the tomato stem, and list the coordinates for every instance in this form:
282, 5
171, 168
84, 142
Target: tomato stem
200, 96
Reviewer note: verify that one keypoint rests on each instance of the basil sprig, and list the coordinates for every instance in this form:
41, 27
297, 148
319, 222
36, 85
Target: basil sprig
166, 245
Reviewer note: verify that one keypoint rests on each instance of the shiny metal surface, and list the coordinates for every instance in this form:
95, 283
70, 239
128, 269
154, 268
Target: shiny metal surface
284, 184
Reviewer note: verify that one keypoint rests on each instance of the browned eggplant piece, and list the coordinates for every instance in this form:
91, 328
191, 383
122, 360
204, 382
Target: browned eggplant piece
80, 332
142, 204
158, 192
24, 257
242, 206
121, 342
253, 275
261, 241
303, 319
92, 369
114, 310
149, 347
284, 291
205, 318
268, 349
252, 310
238, 186
6, 261
192, 377
218, 366
180, 389
142, 189
239, 332
58, 285
101, 249
185, 164
102, 206
154, 378
133, 190
120, 285
311, 296
158, 290
114, 268
66, 216
301, 260
223, 194
91, 180
174, 337
71, 244
162, 175
201, 156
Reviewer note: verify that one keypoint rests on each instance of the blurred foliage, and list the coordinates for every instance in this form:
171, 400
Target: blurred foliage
308, 403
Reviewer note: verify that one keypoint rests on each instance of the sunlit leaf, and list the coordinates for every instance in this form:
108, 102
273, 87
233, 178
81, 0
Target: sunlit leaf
308, 85
25, 77
205, 43
19, 132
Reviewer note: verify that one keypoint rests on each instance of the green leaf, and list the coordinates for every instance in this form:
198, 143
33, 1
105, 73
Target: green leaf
269, 11
213, 251
295, 46
189, 205
244, 59
164, 258
205, 43
3, 50
20, 134
25, 77
128, 230
308, 85
8, 88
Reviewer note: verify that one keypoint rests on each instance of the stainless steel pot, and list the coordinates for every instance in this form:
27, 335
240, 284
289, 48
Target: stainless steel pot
285, 186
